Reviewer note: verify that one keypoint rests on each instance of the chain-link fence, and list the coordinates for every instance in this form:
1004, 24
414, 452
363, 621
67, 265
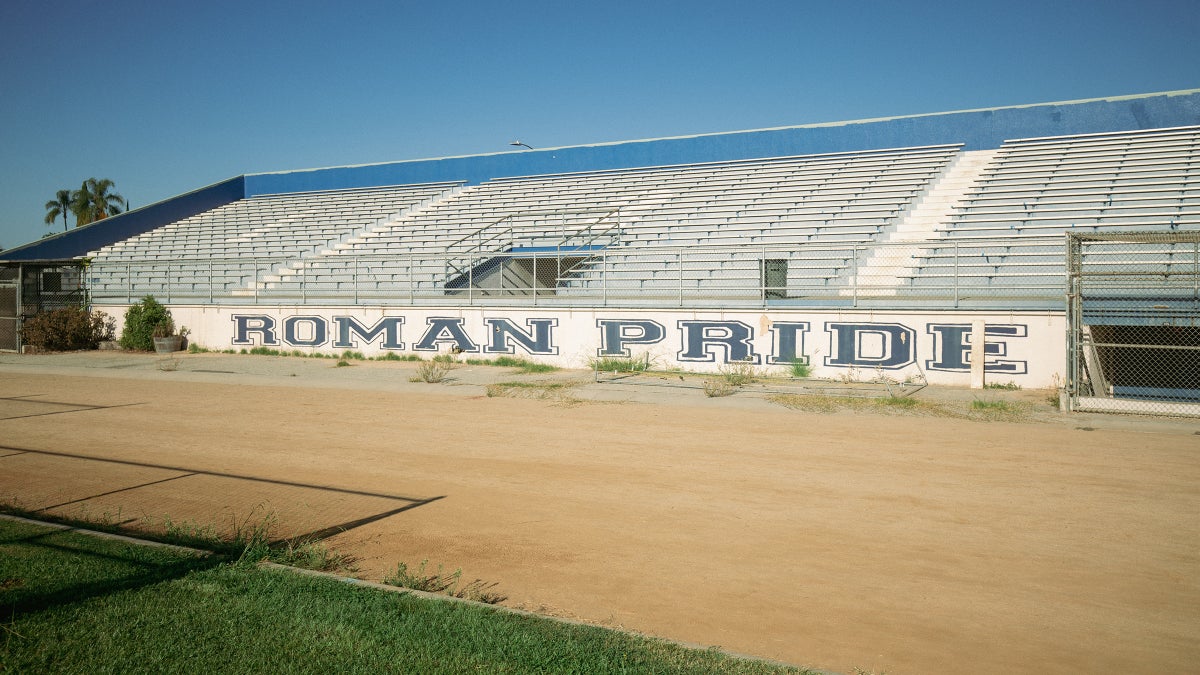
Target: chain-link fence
27, 289
1133, 321
1017, 273
10, 308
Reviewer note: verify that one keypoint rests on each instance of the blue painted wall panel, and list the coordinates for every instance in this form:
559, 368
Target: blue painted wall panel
978, 129
78, 242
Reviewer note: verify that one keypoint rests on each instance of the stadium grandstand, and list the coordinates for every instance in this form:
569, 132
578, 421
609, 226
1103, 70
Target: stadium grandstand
1029, 245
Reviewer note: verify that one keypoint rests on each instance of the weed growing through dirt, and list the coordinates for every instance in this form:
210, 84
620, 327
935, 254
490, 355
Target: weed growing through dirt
620, 364
886, 405
434, 371
558, 391
522, 365
718, 388
168, 365
342, 363
738, 373
800, 369
249, 542
1006, 386
393, 356
441, 582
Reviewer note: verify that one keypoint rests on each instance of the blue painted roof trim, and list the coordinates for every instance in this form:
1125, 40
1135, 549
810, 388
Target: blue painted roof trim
80, 241
974, 129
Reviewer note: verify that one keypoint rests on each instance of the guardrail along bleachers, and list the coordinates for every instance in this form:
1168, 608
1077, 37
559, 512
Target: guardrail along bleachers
1035, 190
841, 198
225, 248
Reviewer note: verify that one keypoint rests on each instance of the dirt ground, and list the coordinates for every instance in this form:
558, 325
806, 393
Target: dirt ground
905, 544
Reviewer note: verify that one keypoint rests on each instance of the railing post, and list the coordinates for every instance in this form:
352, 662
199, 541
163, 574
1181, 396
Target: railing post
854, 286
168, 281
256, 281
604, 278
128, 284
303, 283
412, 284
534, 282
210, 281
956, 275
762, 277
355, 278
679, 260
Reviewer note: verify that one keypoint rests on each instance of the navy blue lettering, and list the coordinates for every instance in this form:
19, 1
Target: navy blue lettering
245, 324
347, 327
318, 331
537, 340
870, 345
787, 342
615, 334
445, 329
703, 339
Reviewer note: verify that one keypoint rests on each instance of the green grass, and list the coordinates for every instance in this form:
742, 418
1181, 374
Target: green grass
800, 368
73, 603
620, 364
392, 356
999, 406
523, 366
1007, 386
559, 391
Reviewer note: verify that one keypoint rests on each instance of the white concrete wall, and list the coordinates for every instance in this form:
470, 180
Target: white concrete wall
1024, 348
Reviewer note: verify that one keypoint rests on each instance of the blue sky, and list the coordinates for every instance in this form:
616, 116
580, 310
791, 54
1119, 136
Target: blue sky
167, 96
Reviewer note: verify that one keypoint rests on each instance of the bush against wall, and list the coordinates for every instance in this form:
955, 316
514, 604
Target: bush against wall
67, 329
143, 321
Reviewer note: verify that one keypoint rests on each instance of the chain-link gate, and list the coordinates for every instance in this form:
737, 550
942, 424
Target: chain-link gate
1133, 317
27, 289
10, 308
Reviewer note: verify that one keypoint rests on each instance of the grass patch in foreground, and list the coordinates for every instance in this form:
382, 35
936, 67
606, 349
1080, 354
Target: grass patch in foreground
904, 405
885, 405
523, 366
559, 391
73, 603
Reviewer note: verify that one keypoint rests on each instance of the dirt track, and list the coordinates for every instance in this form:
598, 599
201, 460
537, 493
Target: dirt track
906, 545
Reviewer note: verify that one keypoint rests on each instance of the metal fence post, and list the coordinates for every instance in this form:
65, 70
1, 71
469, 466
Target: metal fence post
679, 260
762, 277
854, 289
604, 278
956, 275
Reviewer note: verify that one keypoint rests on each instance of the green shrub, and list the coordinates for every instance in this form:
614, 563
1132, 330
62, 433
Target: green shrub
800, 368
143, 321
67, 329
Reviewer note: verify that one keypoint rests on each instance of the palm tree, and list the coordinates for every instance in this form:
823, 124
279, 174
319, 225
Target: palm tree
59, 206
93, 201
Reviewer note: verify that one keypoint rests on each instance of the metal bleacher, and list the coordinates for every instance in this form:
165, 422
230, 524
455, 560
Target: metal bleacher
632, 222
226, 248
922, 225
1007, 236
